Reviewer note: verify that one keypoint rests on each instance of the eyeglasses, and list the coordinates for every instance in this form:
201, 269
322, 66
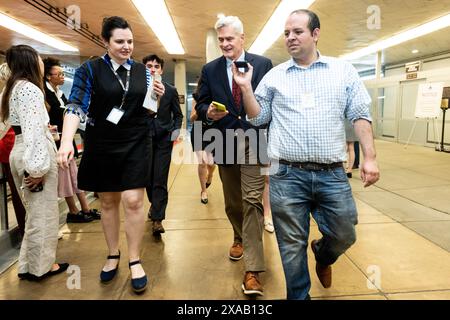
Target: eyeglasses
59, 74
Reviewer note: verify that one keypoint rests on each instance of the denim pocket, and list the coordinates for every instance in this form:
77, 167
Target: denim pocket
282, 171
339, 174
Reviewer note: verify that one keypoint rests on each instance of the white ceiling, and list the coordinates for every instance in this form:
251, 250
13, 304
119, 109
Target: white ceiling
343, 27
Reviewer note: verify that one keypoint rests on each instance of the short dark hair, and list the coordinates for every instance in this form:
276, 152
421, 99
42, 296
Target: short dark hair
152, 57
314, 22
49, 63
111, 23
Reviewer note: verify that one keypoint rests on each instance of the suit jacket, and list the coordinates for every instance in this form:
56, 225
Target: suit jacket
215, 87
169, 117
56, 113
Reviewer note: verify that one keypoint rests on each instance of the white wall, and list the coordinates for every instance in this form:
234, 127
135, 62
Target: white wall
394, 114
443, 62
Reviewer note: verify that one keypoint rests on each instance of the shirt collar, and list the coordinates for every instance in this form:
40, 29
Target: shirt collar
127, 64
321, 59
241, 58
57, 92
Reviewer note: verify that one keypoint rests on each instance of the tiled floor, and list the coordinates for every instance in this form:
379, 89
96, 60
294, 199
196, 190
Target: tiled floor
402, 251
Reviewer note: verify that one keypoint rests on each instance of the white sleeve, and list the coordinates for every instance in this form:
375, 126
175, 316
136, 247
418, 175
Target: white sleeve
33, 119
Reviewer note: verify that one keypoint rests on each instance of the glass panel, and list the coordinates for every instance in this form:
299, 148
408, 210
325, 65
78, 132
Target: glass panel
387, 128
387, 110
387, 102
409, 97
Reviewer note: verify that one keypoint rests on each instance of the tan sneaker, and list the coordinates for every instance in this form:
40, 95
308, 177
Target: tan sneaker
236, 251
251, 284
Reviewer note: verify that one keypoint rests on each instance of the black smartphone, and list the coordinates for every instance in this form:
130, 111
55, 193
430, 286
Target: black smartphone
241, 64
39, 187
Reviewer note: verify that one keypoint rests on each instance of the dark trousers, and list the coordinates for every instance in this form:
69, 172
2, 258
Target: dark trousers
19, 209
356, 163
157, 189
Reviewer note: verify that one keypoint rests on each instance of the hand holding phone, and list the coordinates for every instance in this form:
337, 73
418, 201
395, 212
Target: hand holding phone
31, 185
241, 64
216, 111
156, 77
219, 106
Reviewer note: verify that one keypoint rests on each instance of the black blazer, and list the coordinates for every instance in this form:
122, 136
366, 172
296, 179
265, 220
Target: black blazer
170, 117
215, 87
56, 113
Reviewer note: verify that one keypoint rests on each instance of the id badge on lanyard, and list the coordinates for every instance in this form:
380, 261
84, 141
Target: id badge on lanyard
117, 112
115, 115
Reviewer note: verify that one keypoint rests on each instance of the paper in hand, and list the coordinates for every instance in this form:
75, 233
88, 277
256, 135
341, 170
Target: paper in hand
151, 99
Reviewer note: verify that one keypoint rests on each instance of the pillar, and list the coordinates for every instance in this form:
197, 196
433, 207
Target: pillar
180, 84
212, 46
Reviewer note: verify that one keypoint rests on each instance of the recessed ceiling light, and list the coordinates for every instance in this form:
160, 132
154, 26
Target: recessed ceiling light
415, 51
426, 28
34, 34
275, 25
157, 16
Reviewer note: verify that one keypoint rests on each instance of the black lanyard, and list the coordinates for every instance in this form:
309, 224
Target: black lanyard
124, 87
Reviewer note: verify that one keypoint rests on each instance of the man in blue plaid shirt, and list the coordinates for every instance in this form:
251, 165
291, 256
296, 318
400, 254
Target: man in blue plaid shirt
306, 100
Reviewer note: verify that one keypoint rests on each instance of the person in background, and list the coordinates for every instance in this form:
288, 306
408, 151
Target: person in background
33, 162
242, 180
109, 93
205, 158
167, 124
67, 178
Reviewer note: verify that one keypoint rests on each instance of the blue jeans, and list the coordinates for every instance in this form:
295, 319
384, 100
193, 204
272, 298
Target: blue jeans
326, 194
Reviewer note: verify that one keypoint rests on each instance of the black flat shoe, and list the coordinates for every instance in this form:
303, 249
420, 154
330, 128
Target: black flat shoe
107, 276
31, 277
62, 267
138, 284
203, 200
79, 217
24, 276
94, 213
349, 174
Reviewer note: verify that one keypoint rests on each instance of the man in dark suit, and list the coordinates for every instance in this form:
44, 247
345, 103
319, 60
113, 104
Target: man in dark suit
242, 181
167, 125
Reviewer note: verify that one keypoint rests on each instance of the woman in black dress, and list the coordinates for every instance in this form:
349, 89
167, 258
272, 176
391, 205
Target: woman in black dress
108, 93
205, 158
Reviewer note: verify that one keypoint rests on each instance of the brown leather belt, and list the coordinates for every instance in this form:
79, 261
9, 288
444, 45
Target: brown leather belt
17, 130
312, 166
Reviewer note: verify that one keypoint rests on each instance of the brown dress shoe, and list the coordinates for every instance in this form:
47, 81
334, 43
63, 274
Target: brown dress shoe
236, 251
323, 272
157, 227
251, 284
